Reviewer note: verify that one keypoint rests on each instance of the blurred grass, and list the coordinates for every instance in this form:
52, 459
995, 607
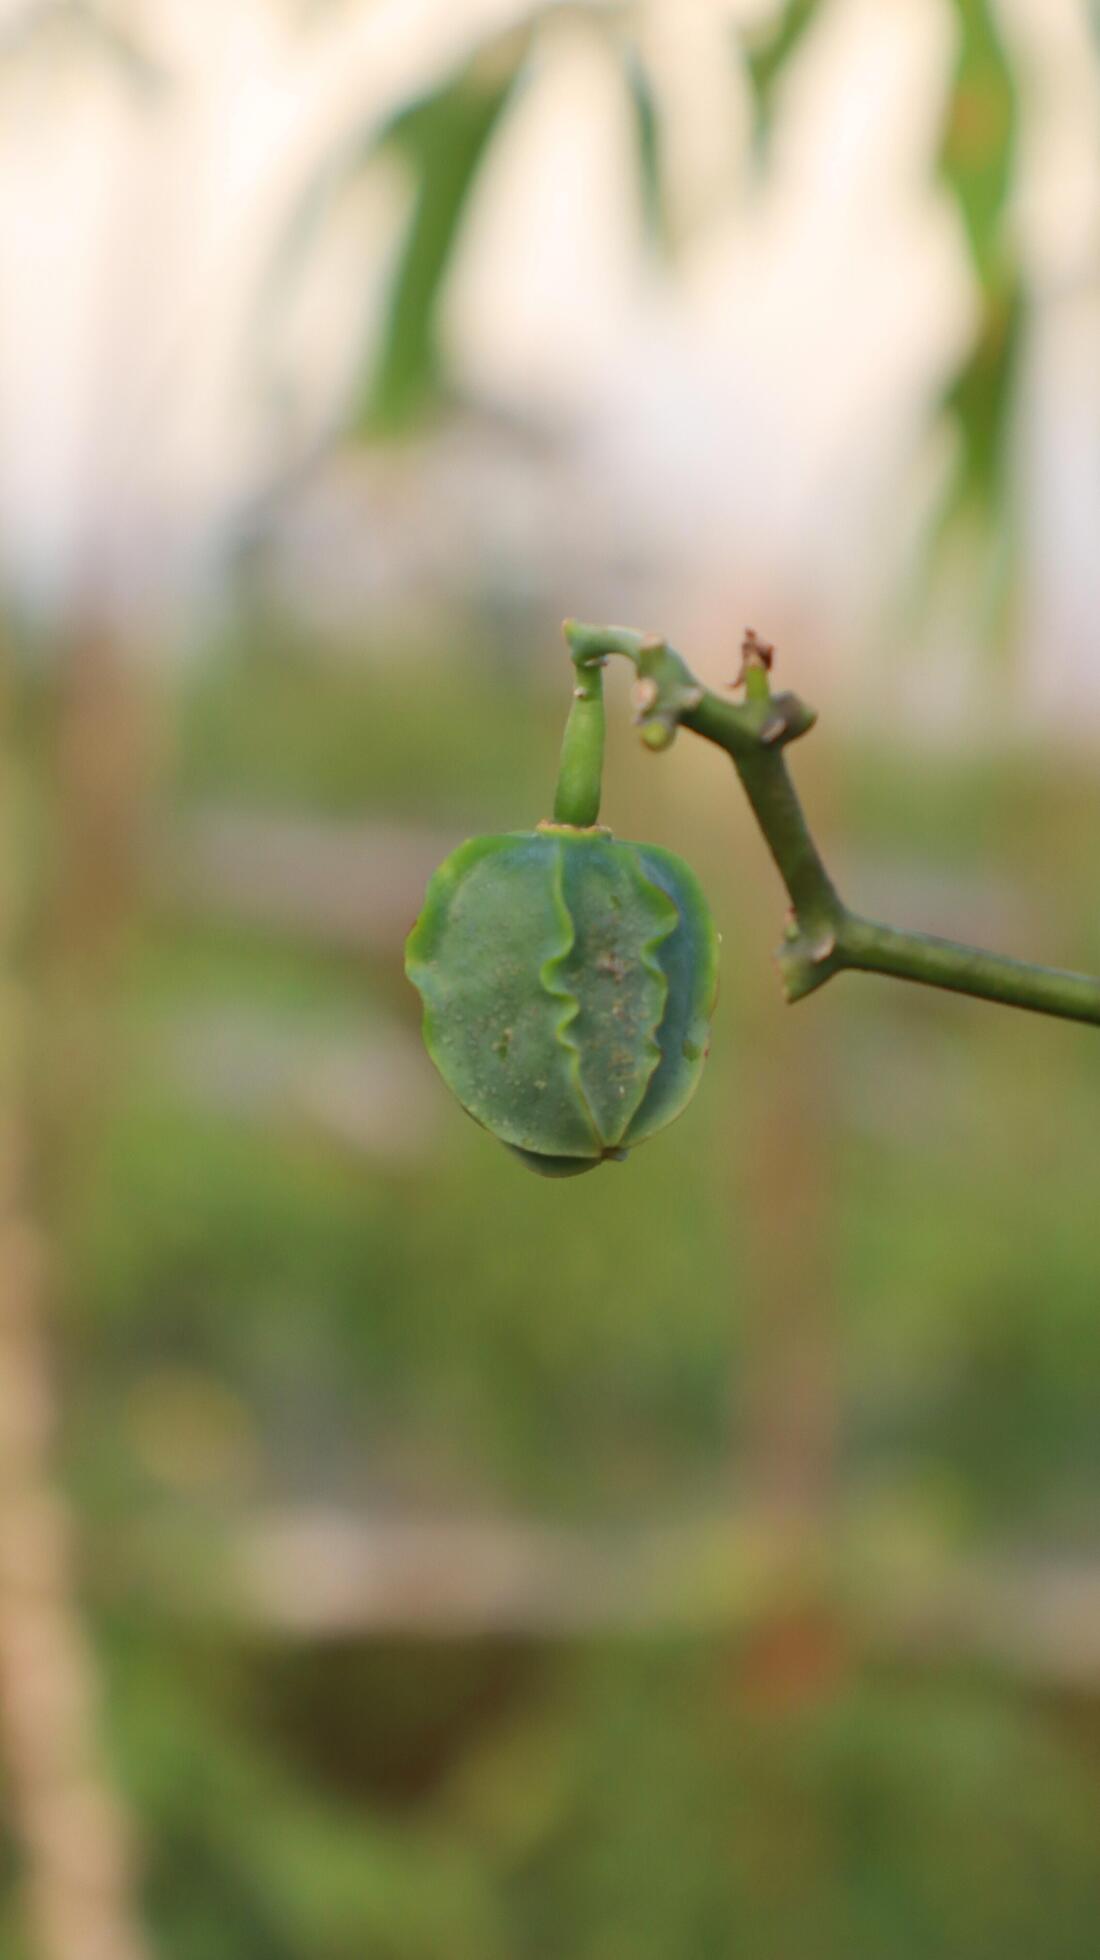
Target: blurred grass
416, 732
546, 1336
442, 1332
617, 1800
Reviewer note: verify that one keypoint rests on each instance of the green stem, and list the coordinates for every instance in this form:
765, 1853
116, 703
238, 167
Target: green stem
870, 948
580, 769
823, 937
767, 783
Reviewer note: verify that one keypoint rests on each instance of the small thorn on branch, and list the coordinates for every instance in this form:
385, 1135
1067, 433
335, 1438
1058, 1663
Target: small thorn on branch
757, 656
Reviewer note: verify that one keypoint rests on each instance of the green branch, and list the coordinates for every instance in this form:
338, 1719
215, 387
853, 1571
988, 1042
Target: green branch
822, 937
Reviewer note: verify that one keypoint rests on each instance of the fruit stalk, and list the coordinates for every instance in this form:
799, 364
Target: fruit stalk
580, 769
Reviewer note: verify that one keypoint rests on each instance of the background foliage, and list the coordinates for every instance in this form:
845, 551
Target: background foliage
690, 1559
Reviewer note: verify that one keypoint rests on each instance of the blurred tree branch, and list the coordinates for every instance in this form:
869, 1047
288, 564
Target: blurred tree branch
73, 1833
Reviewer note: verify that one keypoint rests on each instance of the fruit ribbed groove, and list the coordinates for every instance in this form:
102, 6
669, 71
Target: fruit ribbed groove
567, 981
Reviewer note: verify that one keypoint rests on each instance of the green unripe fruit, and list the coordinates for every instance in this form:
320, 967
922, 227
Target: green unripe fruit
568, 981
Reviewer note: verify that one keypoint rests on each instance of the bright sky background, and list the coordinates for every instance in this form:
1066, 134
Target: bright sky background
755, 426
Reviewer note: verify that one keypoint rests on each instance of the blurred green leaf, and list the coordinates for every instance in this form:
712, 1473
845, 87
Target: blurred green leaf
768, 54
443, 138
647, 130
976, 161
978, 143
980, 401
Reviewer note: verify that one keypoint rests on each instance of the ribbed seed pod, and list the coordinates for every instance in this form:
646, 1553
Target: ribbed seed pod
568, 981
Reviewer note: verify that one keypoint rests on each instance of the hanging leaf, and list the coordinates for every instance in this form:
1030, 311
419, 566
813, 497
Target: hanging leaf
978, 145
647, 131
767, 55
981, 399
976, 161
443, 138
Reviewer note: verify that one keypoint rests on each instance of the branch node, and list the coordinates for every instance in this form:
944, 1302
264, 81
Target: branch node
810, 955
